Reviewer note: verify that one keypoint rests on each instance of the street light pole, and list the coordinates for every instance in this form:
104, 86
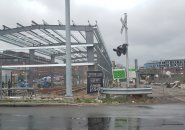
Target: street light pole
68, 51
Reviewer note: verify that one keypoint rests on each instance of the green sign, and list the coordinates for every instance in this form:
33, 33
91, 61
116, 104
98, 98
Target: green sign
119, 74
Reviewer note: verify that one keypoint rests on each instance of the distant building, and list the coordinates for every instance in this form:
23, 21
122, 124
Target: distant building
153, 64
168, 64
20, 58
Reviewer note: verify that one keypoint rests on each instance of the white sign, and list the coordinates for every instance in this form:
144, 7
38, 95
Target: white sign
132, 74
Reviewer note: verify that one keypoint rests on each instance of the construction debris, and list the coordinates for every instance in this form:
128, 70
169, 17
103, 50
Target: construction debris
182, 86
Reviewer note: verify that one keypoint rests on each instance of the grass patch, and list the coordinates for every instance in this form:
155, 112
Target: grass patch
115, 100
128, 100
109, 100
85, 100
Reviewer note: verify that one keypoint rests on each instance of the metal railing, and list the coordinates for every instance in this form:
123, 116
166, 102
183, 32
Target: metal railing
126, 91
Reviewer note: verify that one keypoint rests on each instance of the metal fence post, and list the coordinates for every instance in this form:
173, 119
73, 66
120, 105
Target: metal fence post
137, 73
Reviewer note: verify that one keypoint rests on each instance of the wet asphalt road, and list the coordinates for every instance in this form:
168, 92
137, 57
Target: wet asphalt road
138, 117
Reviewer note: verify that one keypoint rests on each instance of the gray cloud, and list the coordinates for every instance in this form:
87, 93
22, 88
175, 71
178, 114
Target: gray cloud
156, 27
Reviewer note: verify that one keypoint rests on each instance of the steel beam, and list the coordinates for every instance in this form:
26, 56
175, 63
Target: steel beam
20, 44
47, 65
101, 42
51, 27
64, 37
49, 34
23, 37
55, 31
37, 36
47, 47
79, 31
74, 52
78, 58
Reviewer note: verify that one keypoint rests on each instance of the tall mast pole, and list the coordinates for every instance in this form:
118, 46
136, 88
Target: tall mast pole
68, 51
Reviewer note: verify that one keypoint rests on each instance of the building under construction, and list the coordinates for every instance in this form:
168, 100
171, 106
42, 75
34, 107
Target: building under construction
39, 51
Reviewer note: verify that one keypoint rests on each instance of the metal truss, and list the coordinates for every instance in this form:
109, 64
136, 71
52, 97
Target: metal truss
50, 40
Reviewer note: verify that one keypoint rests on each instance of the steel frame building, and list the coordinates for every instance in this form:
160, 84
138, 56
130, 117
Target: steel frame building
87, 45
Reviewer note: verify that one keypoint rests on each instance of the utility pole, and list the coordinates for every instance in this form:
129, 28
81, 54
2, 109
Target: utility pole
68, 51
124, 26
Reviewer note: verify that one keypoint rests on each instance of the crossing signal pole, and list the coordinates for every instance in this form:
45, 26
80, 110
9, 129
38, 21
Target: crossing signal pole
124, 27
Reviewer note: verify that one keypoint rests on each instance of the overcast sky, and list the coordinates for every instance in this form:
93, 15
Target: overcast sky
156, 28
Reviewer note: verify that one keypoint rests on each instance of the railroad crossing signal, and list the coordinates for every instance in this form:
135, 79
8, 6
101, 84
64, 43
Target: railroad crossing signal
124, 24
121, 49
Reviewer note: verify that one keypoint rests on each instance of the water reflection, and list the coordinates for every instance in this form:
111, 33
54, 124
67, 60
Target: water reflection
30, 122
99, 123
0, 121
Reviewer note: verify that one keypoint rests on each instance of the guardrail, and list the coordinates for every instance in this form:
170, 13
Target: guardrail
126, 91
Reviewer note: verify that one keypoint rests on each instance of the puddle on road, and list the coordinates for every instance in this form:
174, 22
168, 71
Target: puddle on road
146, 107
30, 122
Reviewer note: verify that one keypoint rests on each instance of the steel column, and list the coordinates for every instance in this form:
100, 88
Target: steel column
68, 51
32, 54
51, 70
90, 50
31, 62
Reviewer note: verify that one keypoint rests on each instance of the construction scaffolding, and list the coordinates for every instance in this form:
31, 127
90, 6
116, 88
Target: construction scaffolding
44, 46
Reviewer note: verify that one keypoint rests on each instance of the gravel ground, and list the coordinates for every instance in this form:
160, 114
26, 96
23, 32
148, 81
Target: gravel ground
168, 94
159, 95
